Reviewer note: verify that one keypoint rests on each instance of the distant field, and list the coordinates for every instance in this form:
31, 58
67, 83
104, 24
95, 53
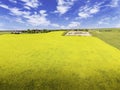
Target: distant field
1, 33
54, 62
111, 37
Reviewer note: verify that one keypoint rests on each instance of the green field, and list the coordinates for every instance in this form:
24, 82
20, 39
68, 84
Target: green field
50, 61
111, 37
2, 33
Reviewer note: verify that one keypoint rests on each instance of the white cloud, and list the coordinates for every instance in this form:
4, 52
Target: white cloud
35, 19
83, 14
105, 21
15, 11
74, 25
43, 13
26, 7
114, 3
94, 10
13, 1
19, 20
87, 11
64, 6
38, 19
4, 6
31, 3
55, 25
28, 4
71, 25
18, 12
88, 1
67, 18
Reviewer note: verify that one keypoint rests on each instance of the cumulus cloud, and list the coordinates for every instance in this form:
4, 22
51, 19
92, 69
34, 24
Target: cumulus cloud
18, 12
33, 19
87, 11
31, 3
38, 19
64, 5
14, 10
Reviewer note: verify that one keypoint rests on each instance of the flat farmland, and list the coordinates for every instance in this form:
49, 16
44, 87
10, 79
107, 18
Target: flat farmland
111, 37
54, 62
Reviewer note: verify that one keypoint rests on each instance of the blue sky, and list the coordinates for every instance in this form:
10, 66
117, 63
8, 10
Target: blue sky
56, 14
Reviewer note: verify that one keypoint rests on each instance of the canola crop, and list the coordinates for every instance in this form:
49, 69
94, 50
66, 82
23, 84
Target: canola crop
54, 62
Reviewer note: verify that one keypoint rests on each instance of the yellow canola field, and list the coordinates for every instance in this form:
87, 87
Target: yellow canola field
54, 62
